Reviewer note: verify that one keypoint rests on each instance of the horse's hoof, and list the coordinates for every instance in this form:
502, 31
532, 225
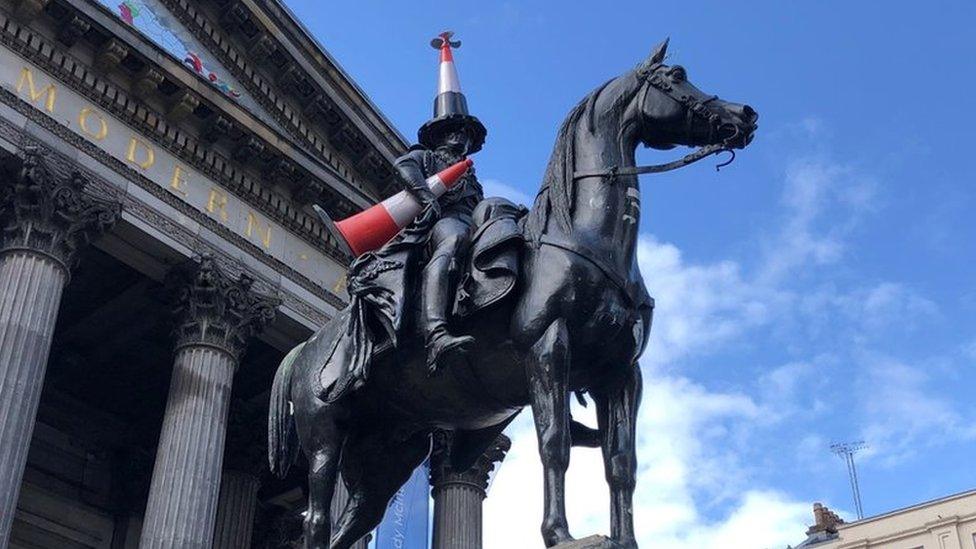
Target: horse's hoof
557, 535
596, 542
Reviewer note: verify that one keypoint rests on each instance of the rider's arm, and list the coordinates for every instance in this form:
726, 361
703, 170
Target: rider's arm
410, 169
471, 178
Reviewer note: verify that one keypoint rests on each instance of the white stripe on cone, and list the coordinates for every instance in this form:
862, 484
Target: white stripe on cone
448, 80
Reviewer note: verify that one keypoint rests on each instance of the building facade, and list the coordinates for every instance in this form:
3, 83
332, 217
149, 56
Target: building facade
946, 523
159, 256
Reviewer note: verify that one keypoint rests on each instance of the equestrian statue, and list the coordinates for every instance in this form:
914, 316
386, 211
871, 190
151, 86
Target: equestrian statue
478, 307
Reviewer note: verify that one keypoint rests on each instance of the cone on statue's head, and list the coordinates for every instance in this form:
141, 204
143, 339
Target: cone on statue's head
450, 105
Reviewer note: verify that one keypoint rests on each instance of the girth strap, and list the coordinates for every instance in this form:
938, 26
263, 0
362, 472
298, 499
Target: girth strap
611, 274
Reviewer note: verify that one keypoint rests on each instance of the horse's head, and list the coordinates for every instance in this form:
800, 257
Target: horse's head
674, 112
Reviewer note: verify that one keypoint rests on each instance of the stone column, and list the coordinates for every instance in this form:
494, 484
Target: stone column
458, 496
245, 458
44, 221
235, 510
216, 316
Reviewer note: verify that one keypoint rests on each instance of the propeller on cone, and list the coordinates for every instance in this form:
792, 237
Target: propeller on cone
372, 228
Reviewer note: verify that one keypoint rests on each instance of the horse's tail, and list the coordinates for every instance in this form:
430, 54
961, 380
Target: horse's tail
282, 436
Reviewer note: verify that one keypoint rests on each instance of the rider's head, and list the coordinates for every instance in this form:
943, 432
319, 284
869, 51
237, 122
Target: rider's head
457, 141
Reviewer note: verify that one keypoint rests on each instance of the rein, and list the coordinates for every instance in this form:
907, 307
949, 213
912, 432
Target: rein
704, 152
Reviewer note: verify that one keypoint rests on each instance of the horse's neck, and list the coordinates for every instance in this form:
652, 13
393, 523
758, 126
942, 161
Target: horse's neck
606, 213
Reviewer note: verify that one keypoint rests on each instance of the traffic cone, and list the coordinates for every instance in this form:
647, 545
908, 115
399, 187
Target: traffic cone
374, 227
449, 98
450, 105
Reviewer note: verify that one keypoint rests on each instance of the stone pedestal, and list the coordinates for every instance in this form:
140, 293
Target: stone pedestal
458, 496
216, 316
45, 220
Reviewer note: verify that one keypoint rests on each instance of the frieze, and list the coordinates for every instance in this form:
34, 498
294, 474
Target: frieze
61, 165
140, 155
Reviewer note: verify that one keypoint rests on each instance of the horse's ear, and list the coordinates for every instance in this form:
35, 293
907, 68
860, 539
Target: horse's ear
659, 52
656, 57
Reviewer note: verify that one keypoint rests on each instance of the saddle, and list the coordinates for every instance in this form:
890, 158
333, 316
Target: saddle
493, 262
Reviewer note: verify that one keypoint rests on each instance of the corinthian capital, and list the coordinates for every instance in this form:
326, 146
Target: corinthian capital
442, 472
46, 213
214, 309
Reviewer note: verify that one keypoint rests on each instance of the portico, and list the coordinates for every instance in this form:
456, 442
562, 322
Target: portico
158, 256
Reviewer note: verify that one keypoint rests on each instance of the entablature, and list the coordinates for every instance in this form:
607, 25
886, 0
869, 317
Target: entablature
130, 77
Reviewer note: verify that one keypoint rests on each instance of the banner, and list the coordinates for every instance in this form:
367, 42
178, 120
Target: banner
404, 525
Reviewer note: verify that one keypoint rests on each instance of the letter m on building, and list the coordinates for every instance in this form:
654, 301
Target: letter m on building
27, 80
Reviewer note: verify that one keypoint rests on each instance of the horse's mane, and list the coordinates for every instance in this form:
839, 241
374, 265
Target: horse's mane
556, 196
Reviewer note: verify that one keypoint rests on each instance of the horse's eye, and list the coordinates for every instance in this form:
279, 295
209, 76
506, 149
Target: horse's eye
678, 74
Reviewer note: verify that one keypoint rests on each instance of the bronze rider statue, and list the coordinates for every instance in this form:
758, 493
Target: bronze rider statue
447, 138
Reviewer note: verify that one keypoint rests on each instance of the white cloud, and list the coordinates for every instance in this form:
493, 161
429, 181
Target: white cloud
783, 389
494, 187
816, 189
904, 412
969, 349
760, 520
868, 312
697, 306
686, 464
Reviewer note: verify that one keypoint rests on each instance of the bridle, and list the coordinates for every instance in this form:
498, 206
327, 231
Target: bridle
694, 109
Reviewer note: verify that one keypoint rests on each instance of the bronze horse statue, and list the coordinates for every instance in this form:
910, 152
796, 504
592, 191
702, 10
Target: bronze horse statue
578, 321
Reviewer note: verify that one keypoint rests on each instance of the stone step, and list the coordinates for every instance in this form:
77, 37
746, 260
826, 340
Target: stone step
591, 542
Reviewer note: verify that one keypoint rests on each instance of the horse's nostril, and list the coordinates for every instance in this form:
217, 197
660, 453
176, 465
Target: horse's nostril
727, 131
750, 114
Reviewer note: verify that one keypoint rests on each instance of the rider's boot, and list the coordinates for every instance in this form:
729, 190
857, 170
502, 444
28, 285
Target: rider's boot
442, 346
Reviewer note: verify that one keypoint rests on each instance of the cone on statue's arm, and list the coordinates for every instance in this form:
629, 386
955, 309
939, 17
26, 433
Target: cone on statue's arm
370, 229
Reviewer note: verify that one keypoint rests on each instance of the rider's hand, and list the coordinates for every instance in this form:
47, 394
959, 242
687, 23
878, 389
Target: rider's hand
426, 199
435, 207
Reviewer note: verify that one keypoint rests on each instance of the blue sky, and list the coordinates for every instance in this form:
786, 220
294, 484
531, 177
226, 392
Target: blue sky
822, 288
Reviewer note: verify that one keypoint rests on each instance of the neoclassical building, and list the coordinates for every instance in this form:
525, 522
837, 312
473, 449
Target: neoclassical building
944, 523
159, 256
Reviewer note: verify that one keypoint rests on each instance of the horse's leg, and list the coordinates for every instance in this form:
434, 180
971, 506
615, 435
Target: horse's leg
374, 469
322, 440
323, 464
617, 416
548, 373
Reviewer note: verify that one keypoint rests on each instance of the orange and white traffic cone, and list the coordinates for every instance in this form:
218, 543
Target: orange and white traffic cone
449, 98
450, 105
372, 228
